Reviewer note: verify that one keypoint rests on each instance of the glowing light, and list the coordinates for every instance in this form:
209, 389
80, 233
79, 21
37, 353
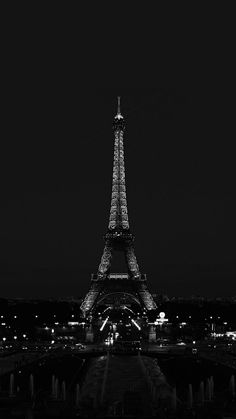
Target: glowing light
127, 308
161, 319
24, 336
217, 335
119, 116
4, 339
104, 323
231, 334
136, 324
15, 337
108, 308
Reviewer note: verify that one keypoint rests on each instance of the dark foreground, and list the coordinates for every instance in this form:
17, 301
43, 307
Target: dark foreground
68, 386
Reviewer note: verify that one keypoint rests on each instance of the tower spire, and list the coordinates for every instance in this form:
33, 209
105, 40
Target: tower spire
118, 115
118, 105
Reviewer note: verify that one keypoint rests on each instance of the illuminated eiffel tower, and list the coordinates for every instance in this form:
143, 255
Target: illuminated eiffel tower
118, 238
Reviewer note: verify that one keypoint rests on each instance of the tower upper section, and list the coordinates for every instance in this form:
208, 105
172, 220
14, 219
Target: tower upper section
118, 213
119, 122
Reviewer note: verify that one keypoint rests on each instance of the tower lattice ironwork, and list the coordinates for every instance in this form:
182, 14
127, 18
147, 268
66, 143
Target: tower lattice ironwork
118, 238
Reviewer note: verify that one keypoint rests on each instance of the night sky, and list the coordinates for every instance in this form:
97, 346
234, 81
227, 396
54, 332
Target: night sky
56, 184
56, 172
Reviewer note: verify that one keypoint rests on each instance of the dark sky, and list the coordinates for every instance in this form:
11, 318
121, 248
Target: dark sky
56, 183
56, 171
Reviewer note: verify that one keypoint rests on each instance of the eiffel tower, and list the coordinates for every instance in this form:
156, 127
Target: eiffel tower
118, 238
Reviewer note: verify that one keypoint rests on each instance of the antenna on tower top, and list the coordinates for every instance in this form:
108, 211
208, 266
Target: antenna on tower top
119, 116
118, 105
